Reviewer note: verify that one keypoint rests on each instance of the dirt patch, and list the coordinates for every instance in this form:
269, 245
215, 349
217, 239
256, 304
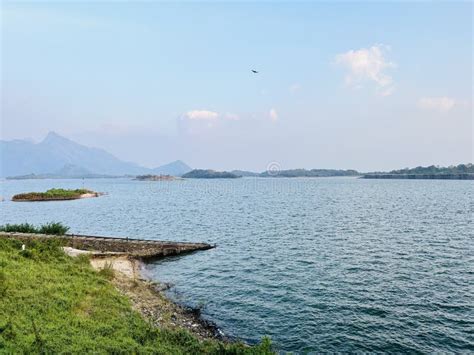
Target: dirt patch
123, 265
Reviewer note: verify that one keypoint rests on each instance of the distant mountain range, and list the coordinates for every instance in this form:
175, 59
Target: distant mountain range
57, 156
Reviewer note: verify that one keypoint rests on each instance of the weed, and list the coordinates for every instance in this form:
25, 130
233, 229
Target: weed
108, 270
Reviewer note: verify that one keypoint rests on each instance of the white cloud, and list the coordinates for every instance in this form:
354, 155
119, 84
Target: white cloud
294, 88
273, 115
368, 64
442, 104
202, 115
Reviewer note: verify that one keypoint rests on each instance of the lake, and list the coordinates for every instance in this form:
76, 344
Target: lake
321, 264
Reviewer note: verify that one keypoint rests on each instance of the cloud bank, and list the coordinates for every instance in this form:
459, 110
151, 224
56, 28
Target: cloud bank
201, 115
440, 104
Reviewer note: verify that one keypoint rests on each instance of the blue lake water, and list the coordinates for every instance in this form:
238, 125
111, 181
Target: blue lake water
326, 264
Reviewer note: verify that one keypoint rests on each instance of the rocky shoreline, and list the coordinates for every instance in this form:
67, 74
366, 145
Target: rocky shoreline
149, 299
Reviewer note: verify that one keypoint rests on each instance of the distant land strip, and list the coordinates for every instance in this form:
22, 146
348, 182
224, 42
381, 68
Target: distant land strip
466, 176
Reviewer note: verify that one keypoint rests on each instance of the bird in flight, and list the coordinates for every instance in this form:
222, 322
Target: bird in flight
254, 71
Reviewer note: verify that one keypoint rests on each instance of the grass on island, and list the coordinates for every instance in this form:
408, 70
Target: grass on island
54, 228
53, 303
52, 194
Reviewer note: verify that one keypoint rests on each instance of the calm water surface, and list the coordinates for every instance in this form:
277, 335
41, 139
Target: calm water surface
329, 264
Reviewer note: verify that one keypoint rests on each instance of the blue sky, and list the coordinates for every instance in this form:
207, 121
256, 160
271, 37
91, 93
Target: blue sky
340, 85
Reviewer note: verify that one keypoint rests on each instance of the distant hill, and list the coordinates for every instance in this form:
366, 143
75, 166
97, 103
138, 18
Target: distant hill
72, 170
176, 168
59, 156
68, 171
309, 173
244, 173
209, 174
156, 178
454, 169
454, 172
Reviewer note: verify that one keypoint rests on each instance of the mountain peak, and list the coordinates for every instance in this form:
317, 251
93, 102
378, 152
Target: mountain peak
180, 163
53, 136
176, 168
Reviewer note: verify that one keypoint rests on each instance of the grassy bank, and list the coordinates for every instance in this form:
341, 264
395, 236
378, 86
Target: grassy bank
53, 194
53, 303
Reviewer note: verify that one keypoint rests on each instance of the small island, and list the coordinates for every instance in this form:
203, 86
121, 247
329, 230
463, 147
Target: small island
156, 178
209, 174
55, 195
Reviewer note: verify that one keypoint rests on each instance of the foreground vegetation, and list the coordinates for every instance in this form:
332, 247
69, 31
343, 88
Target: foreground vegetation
53, 228
53, 194
52, 303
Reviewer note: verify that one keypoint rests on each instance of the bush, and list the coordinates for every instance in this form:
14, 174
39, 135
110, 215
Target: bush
53, 228
19, 228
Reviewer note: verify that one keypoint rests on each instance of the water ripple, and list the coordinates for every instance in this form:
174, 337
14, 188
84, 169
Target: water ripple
320, 265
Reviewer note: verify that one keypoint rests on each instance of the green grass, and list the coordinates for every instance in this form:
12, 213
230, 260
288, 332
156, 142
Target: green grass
52, 303
54, 228
51, 194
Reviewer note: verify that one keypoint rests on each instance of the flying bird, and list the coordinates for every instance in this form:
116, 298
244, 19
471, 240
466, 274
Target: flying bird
254, 71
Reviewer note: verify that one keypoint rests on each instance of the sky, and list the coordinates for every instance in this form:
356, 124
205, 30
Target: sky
356, 85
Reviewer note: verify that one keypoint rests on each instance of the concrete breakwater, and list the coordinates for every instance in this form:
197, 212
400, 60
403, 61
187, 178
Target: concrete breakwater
140, 248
